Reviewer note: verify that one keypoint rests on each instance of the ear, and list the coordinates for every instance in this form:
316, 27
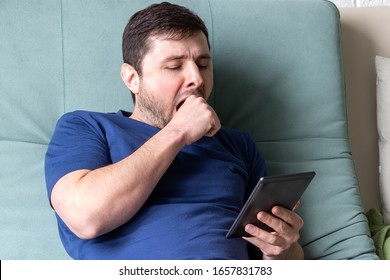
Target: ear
130, 78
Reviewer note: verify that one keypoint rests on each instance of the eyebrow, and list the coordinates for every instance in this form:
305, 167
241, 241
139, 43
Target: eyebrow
179, 57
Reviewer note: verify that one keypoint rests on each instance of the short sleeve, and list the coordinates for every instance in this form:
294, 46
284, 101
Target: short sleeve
77, 143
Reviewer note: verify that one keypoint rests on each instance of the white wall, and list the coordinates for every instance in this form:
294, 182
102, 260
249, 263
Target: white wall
361, 3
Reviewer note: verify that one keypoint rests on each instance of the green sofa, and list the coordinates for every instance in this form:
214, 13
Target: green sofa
278, 75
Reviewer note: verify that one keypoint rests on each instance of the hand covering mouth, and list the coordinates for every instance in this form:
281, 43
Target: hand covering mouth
197, 93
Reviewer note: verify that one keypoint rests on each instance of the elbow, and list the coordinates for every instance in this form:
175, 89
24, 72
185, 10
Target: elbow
85, 233
84, 226
88, 225
86, 230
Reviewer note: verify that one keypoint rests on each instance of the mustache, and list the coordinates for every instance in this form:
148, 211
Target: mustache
197, 92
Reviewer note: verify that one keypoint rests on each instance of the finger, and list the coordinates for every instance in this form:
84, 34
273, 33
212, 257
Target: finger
297, 205
274, 222
286, 217
214, 129
215, 124
261, 236
281, 228
270, 247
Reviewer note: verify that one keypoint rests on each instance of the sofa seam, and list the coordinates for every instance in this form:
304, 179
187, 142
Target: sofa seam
63, 57
211, 38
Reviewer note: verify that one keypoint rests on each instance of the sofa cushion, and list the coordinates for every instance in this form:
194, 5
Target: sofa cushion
31, 89
383, 114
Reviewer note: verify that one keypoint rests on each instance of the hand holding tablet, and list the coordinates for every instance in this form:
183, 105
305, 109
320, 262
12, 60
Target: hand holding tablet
282, 190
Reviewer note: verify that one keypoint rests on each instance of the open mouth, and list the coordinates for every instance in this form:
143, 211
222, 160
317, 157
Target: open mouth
184, 96
179, 105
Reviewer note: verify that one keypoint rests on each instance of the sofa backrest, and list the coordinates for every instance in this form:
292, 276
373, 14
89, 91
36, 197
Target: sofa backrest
278, 75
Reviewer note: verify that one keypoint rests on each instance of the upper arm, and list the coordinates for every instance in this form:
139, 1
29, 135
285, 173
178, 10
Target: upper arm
77, 144
64, 188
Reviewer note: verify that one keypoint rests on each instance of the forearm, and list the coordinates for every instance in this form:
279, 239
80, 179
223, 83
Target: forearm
95, 202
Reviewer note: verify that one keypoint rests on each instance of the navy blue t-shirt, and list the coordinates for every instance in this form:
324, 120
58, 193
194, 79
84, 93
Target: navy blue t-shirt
191, 208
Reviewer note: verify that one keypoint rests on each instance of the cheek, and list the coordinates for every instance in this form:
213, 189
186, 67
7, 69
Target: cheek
165, 86
170, 84
169, 90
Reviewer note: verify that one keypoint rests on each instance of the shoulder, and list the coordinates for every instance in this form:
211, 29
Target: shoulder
237, 142
90, 119
86, 116
235, 136
242, 144
86, 125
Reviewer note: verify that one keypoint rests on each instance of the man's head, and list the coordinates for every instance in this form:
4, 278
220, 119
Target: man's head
166, 19
166, 59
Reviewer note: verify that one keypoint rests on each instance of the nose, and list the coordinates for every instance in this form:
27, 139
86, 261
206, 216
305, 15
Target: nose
193, 77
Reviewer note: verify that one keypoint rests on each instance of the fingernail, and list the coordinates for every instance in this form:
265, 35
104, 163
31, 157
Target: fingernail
250, 229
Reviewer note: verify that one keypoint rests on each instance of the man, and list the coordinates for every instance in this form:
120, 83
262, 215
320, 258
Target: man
165, 181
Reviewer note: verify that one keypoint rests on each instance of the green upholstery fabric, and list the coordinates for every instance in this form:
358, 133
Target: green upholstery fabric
31, 94
278, 75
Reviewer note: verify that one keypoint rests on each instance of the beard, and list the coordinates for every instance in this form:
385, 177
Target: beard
154, 110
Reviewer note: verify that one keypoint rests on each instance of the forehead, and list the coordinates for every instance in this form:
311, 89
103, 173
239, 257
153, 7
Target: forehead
162, 46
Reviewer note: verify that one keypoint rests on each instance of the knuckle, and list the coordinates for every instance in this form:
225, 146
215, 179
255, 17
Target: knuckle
273, 239
284, 227
296, 238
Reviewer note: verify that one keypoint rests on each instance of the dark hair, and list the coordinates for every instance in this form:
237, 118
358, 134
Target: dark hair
158, 19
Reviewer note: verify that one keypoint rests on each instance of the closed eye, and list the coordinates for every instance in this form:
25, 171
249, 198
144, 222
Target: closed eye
203, 63
177, 67
201, 66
